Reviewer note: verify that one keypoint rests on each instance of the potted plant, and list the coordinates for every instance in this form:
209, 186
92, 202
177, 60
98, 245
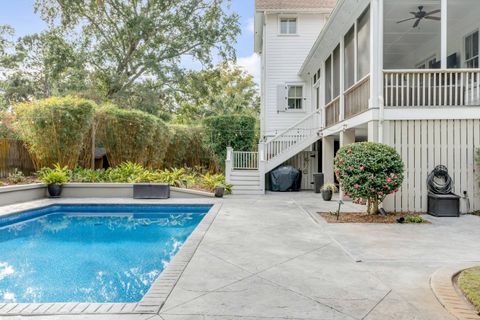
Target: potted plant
219, 190
327, 191
54, 179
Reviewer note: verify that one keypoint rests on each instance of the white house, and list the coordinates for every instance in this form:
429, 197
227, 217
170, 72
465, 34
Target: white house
404, 73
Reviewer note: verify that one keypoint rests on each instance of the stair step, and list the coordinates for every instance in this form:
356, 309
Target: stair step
244, 187
244, 178
245, 182
248, 173
247, 192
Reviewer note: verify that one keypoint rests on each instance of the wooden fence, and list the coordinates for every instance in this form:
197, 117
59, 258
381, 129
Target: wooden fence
14, 155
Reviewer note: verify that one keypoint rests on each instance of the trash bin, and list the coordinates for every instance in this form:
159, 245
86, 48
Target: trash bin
318, 181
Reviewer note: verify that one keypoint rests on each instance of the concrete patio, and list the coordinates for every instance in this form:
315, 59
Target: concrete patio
269, 257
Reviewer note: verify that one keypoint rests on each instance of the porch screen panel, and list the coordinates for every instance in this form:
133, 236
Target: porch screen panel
336, 72
328, 80
350, 58
363, 39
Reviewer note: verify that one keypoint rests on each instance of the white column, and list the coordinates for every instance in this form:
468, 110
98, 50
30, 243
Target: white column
342, 79
444, 32
261, 165
376, 62
328, 155
347, 137
373, 131
229, 165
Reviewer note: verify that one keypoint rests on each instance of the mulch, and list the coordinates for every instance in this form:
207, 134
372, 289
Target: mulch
361, 217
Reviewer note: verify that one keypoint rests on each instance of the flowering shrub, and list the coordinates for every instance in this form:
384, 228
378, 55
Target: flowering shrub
369, 171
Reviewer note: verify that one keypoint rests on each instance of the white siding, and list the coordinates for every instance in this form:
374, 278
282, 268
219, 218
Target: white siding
283, 58
424, 144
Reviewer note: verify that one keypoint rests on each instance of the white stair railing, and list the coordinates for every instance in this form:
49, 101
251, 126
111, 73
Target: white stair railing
245, 160
295, 134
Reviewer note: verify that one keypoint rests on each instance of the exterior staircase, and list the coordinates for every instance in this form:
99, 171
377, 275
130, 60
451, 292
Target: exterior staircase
246, 170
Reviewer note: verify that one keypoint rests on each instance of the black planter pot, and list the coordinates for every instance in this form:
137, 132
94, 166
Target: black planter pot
54, 190
219, 192
327, 195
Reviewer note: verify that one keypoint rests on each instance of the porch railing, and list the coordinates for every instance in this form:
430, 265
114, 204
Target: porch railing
298, 132
245, 160
356, 98
431, 88
332, 112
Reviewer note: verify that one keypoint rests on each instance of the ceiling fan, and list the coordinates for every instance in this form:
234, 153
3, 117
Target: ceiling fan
420, 14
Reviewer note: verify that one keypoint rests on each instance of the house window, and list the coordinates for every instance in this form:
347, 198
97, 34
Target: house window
288, 25
295, 97
471, 50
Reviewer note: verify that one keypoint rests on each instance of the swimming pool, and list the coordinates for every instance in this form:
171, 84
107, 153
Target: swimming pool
90, 253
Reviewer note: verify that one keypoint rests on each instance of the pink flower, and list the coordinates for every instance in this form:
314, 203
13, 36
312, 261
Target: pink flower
371, 177
372, 189
349, 151
380, 193
396, 190
337, 171
388, 179
361, 168
350, 167
385, 187
340, 160
356, 186
394, 177
392, 192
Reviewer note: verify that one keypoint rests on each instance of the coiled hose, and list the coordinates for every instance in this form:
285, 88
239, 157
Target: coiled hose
439, 181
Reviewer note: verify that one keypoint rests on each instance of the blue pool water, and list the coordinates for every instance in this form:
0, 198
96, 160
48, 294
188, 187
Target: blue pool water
90, 253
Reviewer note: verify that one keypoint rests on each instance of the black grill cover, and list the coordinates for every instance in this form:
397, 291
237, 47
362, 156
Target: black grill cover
285, 178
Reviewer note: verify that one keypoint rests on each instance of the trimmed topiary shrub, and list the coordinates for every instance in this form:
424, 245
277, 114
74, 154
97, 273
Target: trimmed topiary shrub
54, 129
237, 131
187, 148
369, 171
131, 135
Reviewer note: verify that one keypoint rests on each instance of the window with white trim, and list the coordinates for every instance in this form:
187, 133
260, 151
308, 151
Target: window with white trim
471, 50
288, 25
295, 97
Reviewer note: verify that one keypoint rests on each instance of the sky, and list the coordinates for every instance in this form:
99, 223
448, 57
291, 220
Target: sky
20, 15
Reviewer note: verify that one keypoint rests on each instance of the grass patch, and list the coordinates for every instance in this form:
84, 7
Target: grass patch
469, 283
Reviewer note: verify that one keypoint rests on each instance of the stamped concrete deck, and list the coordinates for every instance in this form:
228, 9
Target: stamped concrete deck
268, 257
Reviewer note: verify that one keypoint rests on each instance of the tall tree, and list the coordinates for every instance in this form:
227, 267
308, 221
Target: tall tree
224, 90
130, 40
40, 65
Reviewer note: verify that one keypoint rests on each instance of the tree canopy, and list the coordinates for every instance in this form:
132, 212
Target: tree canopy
127, 40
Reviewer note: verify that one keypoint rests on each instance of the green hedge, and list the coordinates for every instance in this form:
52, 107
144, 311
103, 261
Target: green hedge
187, 148
132, 135
54, 129
237, 131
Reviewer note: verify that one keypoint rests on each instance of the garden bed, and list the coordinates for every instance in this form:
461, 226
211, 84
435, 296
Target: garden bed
469, 283
361, 217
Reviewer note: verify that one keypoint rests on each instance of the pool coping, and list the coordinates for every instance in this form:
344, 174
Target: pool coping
160, 289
